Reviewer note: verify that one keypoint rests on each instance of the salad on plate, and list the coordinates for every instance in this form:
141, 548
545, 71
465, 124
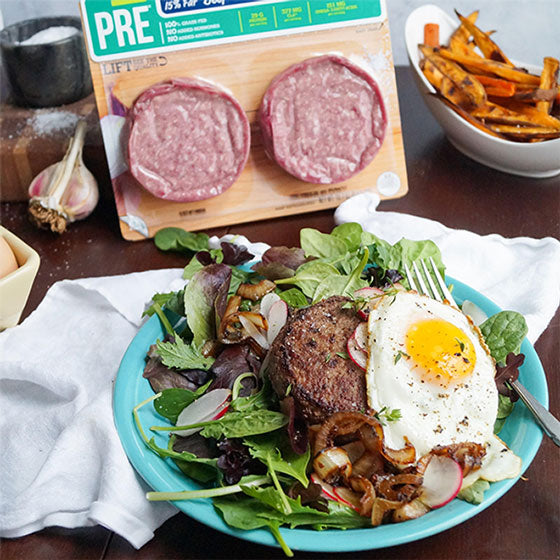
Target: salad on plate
312, 388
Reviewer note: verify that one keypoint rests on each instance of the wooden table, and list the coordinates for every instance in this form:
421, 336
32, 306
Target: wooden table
445, 186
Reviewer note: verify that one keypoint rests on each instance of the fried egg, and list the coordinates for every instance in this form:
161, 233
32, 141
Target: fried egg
429, 360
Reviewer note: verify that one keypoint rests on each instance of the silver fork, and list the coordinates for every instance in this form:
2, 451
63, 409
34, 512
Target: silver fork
425, 284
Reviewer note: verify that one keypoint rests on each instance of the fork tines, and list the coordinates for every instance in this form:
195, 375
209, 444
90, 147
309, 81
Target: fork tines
439, 291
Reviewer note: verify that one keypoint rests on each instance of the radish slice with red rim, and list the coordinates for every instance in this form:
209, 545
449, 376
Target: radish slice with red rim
361, 336
327, 489
442, 481
363, 314
347, 497
210, 406
368, 292
277, 317
267, 302
357, 355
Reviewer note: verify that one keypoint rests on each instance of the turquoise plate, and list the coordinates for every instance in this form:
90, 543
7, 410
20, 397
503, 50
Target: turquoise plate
520, 432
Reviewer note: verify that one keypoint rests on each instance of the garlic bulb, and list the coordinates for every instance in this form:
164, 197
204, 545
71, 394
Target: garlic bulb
65, 191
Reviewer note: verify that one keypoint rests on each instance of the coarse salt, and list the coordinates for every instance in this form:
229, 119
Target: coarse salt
47, 123
50, 35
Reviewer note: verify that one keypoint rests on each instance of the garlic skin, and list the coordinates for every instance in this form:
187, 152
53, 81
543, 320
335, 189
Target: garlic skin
64, 192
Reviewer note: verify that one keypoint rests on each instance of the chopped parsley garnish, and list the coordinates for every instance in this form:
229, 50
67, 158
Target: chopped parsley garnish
399, 355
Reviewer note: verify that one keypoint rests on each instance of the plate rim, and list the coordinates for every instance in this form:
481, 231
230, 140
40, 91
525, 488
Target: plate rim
150, 466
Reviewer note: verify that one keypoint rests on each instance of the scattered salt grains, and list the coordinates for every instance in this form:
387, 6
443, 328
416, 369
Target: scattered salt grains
48, 122
50, 35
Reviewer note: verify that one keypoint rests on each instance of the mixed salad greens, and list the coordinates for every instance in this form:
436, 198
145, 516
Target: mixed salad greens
245, 444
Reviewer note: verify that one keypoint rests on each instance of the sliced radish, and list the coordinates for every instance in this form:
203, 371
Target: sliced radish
210, 406
363, 313
327, 489
254, 332
222, 412
347, 497
277, 317
442, 481
266, 303
361, 336
357, 355
368, 292
474, 312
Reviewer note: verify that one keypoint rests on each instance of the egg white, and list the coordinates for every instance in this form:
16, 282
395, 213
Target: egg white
433, 412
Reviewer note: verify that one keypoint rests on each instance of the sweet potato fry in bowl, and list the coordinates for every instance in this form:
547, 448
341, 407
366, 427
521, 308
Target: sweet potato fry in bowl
489, 49
460, 87
479, 82
468, 128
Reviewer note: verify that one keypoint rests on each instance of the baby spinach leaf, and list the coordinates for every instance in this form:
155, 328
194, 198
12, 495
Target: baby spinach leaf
241, 424
177, 239
294, 297
505, 407
238, 277
504, 332
172, 401
405, 251
309, 275
322, 245
173, 301
180, 355
243, 512
350, 233
342, 285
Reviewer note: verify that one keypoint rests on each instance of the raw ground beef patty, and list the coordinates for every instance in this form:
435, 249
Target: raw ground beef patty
323, 120
189, 140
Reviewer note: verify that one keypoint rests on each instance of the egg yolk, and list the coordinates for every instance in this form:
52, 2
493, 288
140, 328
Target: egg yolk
440, 350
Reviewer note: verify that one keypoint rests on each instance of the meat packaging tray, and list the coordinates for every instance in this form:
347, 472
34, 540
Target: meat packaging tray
239, 46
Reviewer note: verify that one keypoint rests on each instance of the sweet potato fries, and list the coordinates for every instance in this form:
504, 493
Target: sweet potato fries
475, 78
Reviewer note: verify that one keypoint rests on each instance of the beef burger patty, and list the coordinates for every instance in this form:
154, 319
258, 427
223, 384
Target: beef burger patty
307, 359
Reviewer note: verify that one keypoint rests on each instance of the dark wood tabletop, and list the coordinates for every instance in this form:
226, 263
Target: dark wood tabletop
444, 185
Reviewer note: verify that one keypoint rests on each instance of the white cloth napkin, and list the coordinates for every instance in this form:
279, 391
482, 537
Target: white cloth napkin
519, 274
62, 462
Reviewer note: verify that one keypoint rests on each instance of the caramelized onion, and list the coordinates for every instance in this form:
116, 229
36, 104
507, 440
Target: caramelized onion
380, 508
400, 457
411, 510
340, 424
232, 306
468, 454
365, 487
369, 464
254, 292
400, 487
332, 464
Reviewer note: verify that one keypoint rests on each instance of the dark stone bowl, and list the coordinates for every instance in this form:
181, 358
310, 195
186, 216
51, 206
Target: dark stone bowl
48, 74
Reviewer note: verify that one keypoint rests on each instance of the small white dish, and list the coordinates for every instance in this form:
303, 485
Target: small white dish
16, 286
538, 160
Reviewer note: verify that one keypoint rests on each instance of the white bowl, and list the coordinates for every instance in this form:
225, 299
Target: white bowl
540, 159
